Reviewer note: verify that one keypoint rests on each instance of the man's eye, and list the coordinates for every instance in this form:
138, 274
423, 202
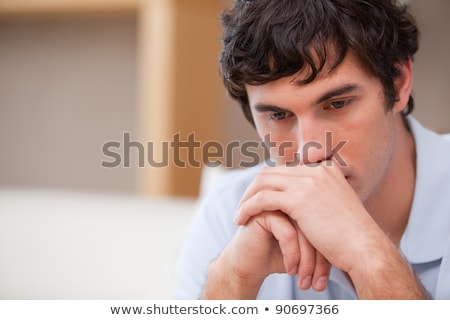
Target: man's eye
277, 116
339, 104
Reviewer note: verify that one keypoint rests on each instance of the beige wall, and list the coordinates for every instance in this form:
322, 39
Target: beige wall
432, 67
67, 86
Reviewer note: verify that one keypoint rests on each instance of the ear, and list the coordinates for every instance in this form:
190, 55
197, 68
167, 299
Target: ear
403, 85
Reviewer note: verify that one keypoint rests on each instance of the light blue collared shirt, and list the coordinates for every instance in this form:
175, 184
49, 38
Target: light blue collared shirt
425, 242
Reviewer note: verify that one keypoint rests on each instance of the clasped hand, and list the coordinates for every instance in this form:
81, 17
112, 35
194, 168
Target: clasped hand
299, 220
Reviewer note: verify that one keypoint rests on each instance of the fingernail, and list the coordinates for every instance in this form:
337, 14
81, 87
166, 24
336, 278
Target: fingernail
293, 270
306, 283
321, 283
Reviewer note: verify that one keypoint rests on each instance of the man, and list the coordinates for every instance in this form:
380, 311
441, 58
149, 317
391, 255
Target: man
357, 204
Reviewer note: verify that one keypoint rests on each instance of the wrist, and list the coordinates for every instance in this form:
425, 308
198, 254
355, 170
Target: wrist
383, 273
224, 283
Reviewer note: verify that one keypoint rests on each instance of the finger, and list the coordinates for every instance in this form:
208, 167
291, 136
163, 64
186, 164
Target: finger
307, 261
286, 234
288, 178
267, 180
276, 178
334, 166
265, 200
321, 272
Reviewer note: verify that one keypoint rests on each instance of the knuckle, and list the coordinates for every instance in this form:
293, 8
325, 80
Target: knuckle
308, 266
290, 235
262, 197
265, 171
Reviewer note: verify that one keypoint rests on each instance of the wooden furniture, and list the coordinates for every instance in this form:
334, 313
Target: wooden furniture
179, 87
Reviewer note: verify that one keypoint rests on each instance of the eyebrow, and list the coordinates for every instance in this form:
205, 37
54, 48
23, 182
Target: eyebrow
337, 92
268, 108
347, 88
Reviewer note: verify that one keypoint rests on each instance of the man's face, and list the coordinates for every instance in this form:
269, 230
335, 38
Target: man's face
349, 103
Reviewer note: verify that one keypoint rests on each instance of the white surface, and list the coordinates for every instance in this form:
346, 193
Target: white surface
447, 136
62, 245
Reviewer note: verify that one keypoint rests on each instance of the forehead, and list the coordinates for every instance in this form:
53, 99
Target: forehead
333, 66
349, 71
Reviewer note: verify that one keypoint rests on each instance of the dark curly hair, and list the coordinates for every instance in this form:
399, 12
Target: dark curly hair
265, 40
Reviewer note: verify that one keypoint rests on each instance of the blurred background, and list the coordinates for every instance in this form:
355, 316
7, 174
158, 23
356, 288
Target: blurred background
78, 74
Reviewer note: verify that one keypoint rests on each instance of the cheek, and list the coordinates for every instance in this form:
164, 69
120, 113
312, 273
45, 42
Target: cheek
369, 156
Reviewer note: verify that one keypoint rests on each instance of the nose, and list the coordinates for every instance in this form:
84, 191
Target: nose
314, 143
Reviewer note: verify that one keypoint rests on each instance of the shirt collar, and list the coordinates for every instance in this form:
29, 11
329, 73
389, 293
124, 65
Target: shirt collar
428, 229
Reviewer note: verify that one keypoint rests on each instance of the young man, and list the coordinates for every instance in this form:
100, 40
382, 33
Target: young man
357, 204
